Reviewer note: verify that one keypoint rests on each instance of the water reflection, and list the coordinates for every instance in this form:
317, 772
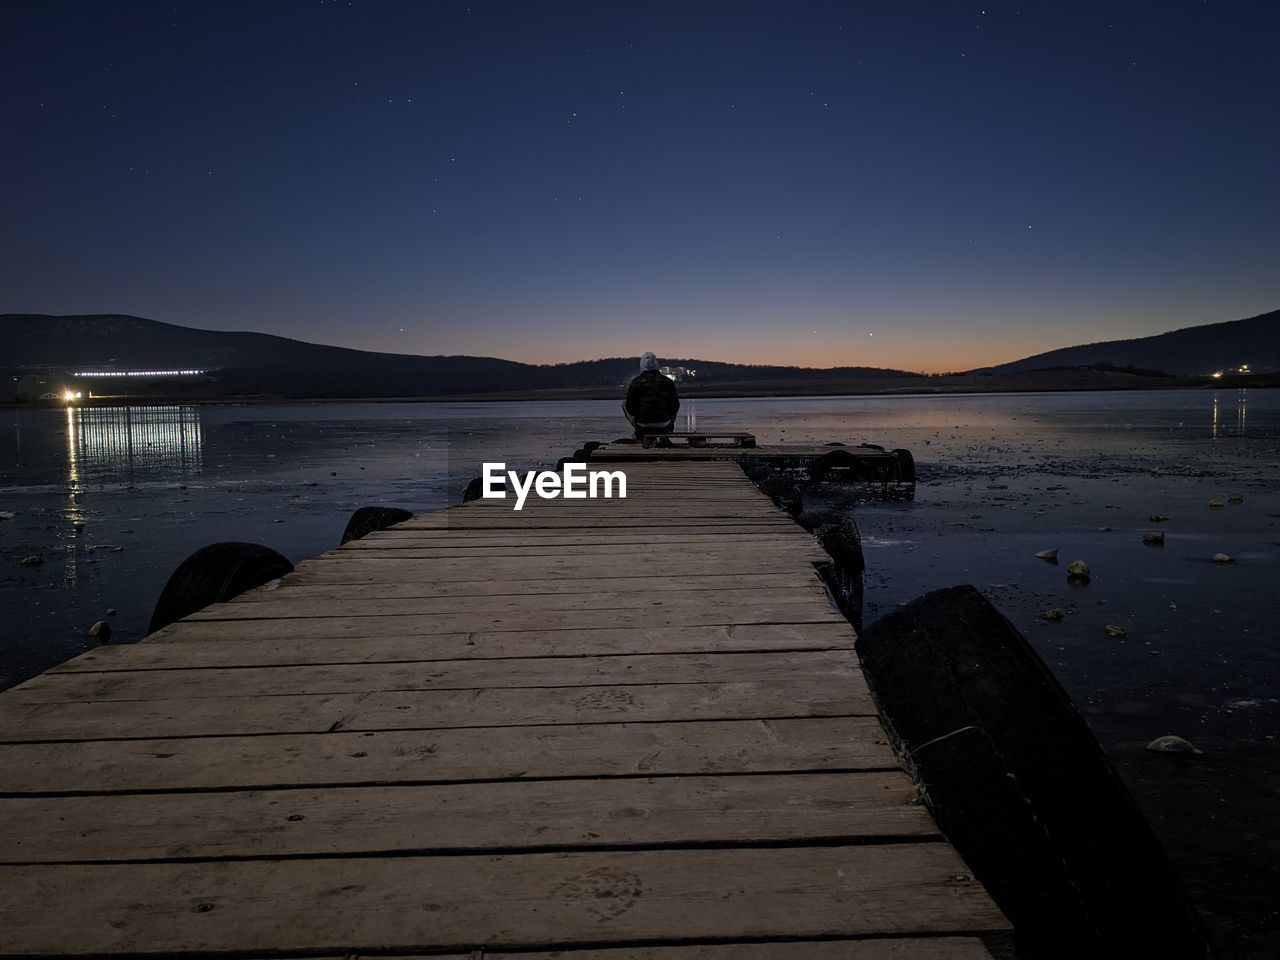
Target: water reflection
103, 442
1217, 428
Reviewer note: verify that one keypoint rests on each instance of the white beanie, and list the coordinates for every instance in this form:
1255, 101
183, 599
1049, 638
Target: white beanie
648, 361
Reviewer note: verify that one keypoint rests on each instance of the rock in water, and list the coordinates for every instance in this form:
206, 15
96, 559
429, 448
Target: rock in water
1158, 518
1215, 504
1171, 744
1078, 571
1154, 539
101, 631
1236, 498
1222, 558
1053, 616
1048, 555
1115, 631
32, 561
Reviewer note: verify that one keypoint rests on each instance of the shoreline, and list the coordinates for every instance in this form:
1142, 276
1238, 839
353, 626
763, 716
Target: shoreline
957, 386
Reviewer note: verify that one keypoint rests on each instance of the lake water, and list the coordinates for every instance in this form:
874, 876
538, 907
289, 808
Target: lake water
114, 499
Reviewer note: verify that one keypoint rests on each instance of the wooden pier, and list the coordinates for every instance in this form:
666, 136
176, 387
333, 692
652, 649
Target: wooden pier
622, 729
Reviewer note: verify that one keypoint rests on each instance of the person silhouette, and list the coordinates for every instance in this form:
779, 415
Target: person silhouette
651, 403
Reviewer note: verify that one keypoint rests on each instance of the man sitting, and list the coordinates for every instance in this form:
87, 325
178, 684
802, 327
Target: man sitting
651, 403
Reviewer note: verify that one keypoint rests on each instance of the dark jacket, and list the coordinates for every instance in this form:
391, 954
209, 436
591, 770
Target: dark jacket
651, 398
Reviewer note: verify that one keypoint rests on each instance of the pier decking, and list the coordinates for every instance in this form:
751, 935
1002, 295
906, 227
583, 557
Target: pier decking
623, 729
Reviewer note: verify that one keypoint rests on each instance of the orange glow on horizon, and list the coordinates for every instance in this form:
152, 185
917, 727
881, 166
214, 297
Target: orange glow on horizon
906, 356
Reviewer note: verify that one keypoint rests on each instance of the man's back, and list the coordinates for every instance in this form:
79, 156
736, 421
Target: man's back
651, 399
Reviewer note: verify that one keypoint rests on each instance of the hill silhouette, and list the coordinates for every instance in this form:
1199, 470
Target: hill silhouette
259, 363
1189, 352
41, 351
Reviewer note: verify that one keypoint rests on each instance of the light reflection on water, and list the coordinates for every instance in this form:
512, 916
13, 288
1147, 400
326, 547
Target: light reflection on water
1217, 427
107, 442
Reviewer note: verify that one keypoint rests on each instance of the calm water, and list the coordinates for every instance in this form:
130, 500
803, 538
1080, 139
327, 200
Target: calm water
114, 499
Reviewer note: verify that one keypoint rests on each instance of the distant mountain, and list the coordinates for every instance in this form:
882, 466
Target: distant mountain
257, 363
40, 352
1189, 352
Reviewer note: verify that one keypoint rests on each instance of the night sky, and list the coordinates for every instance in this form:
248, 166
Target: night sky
926, 186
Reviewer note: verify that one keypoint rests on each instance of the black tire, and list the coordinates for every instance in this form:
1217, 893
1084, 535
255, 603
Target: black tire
842, 460
1019, 785
474, 490
214, 574
906, 466
845, 574
784, 491
368, 520
811, 518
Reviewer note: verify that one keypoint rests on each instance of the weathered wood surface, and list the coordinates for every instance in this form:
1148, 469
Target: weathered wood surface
620, 730
476, 674
547, 814
184, 647
72, 719
401, 903
898, 948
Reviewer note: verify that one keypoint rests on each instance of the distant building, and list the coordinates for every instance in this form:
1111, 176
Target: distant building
678, 373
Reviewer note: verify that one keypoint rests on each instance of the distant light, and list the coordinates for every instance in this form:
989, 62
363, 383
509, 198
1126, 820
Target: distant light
1217, 375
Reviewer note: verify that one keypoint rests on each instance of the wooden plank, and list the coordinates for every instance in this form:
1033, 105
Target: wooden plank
407, 903
662, 526
354, 602
805, 611
189, 645
475, 674
877, 948
710, 512
896, 948
781, 547
755, 508
560, 814
448, 535
832, 696
303, 585
435, 756
391, 569
932, 948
